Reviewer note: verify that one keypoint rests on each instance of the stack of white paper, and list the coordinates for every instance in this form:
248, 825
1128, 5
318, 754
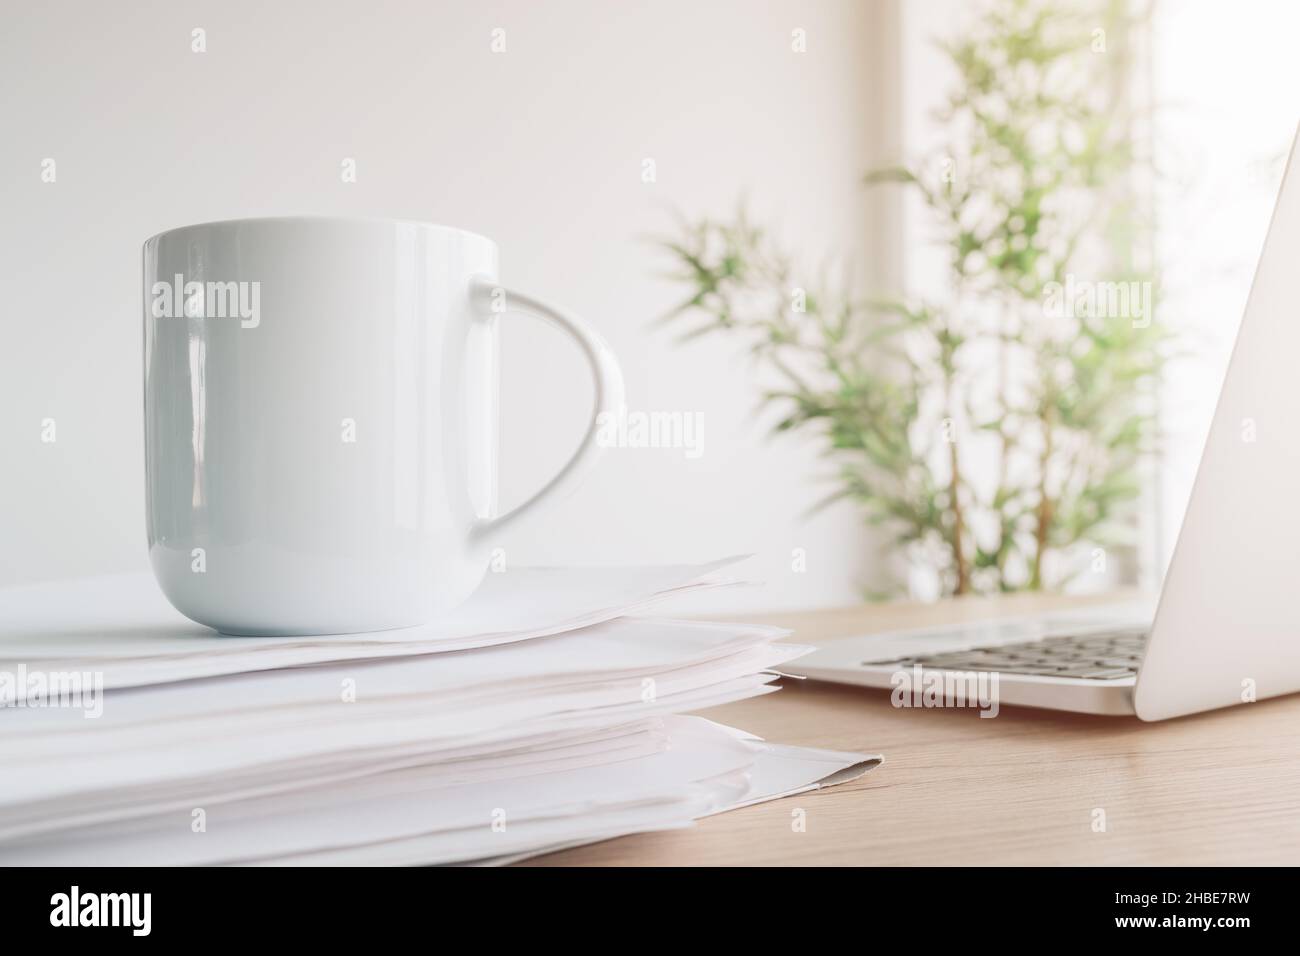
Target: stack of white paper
541, 714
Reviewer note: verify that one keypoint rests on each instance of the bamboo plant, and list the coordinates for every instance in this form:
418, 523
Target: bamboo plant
995, 432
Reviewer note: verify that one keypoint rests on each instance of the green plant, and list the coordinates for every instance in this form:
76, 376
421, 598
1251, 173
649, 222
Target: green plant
997, 432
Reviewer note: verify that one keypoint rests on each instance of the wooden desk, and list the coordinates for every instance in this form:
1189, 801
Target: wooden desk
1216, 788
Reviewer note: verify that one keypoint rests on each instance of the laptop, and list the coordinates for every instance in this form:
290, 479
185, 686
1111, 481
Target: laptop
1226, 629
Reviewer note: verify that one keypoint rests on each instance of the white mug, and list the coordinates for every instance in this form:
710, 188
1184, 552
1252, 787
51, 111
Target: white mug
320, 420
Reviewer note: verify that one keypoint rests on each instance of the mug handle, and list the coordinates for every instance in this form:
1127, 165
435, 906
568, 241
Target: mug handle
606, 376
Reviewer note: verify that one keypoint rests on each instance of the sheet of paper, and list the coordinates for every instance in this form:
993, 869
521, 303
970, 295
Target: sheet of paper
124, 620
76, 808
148, 736
686, 767
541, 703
619, 661
778, 771
623, 649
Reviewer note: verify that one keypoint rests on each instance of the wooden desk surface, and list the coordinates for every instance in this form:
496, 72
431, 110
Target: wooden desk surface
1216, 788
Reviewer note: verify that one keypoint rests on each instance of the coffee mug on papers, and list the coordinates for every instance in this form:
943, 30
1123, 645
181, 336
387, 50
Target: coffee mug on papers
320, 420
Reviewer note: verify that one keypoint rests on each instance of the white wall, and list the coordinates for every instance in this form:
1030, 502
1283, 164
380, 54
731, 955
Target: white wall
540, 147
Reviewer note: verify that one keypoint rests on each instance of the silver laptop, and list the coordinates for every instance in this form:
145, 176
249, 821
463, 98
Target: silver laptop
1226, 629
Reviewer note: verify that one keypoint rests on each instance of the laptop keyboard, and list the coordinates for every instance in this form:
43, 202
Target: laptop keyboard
1099, 656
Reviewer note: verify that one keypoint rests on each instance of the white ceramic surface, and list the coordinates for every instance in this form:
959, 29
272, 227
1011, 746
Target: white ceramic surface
320, 437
